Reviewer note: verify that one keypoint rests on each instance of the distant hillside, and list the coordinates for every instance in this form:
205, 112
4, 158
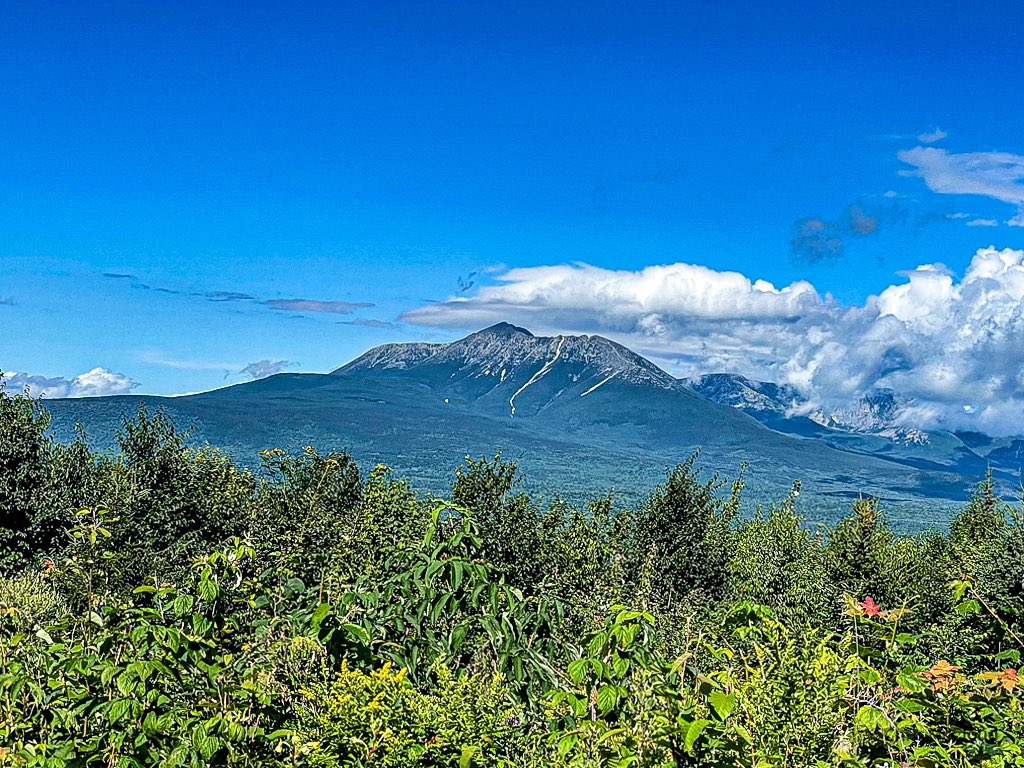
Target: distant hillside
579, 412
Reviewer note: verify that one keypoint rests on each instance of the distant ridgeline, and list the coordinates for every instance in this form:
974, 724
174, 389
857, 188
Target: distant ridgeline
582, 415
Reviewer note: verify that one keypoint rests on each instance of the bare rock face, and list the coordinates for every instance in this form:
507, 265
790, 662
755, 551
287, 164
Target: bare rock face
507, 363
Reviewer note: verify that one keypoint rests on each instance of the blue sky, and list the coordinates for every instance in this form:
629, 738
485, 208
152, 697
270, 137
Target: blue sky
188, 189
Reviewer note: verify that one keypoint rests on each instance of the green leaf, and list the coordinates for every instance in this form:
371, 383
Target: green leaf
744, 733
577, 669
968, 606
611, 734
910, 682
567, 742
208, 590
693, 733
872, 718
459, 635
722, 704
457, 568
911, 706
118, 709
607, 698
322, 612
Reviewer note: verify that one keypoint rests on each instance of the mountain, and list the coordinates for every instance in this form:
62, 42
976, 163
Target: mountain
506, 370
874, 426
877, 413
581, 413
754, 397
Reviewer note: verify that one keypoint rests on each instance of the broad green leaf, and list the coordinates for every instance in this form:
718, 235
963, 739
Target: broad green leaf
693, 733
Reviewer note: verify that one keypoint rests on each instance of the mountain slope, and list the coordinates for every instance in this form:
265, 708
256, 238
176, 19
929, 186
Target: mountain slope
582, 413
872, 426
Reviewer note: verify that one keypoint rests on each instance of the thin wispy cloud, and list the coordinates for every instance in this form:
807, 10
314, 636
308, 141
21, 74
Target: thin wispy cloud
314, 305
369, 323
158, 357
317, 306
932, 136
996, 175
464, 284
982, 223
228, 296
118, 276
693, 320
816, 239
261, 369
98, 382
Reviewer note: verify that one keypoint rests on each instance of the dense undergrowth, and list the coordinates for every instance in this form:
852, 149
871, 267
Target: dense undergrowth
164, 607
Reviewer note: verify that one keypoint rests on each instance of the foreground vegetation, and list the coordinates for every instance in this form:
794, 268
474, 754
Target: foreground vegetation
165, 607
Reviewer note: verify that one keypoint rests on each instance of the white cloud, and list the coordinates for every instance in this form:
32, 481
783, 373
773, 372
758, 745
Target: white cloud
945, 343
982, 223
95, 383
998, 175
314, 305
261, 369
626, 300
932, 136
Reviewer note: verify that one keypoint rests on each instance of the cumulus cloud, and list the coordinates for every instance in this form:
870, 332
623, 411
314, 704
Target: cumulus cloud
997, 175
98, 382
261, 369
952, 346
313, 305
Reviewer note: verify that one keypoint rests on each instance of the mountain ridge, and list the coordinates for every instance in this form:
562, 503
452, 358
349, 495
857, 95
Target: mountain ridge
581, 412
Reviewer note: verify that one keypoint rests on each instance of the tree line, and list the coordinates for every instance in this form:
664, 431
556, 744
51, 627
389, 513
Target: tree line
163, 606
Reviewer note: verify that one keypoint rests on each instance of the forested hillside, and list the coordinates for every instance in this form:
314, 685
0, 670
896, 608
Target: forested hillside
163, 606
546, 401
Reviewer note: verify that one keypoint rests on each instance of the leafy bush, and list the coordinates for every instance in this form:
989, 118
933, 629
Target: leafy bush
380, 719
164, 607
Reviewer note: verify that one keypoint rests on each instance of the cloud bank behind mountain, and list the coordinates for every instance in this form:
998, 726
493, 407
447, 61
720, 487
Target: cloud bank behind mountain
952, 345
98, 382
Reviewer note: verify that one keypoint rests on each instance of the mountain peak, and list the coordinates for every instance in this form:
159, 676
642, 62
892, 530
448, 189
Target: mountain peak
504, 329
510, 366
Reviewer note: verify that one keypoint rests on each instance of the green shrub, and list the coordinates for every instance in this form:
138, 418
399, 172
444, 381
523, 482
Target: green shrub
380, 719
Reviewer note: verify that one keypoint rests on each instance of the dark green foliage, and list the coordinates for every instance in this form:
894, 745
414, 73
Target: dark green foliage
514, 532
779, 563
986, 545
164, 607
307, 513
859, 550
24, 454
681, 537
172, 500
